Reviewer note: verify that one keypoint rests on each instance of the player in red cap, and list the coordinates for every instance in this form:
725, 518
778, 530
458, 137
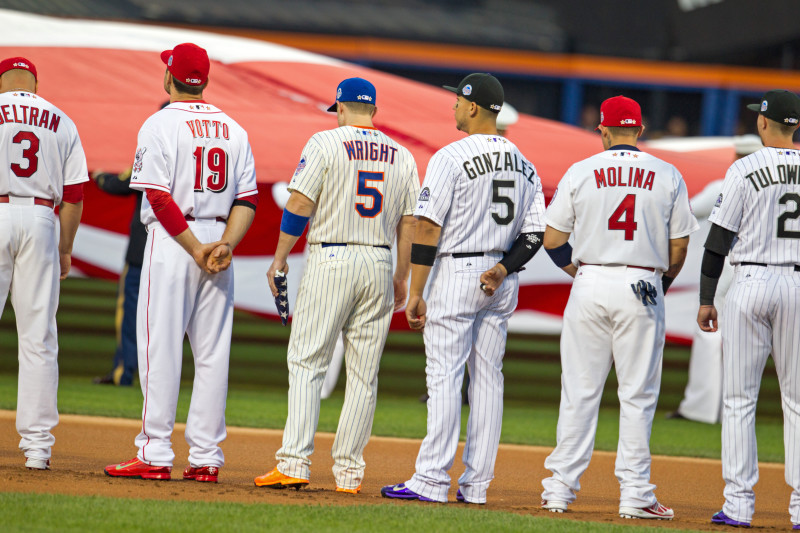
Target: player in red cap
42, 165
630, 216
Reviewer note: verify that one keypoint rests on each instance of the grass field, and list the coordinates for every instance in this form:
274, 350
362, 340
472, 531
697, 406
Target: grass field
257, 398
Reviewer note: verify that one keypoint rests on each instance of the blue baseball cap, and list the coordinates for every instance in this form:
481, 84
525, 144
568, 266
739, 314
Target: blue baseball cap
354, 90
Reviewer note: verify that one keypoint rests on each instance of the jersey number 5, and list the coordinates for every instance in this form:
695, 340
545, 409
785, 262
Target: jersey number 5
365, 190
30, 153
217, 163
784, 233
498, 198
622, 217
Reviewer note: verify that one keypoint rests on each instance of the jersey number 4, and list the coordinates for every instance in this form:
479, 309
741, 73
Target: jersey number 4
622, 217
370, 192
30, 153
217, 164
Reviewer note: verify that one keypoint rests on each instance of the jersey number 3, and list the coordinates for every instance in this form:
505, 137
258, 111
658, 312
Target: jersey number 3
365, 190
217, 163
622, 217
30, 153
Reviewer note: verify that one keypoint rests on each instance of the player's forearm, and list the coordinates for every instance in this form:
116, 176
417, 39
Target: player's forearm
69, 215
188, 242
419, 277
405, 236
677, 256
239, 221
426, 239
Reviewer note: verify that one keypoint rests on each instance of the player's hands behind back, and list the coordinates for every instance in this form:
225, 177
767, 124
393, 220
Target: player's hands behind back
415, 313
220, 258
492, 279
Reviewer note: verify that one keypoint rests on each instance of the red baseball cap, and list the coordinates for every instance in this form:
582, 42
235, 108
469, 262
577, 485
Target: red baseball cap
188, 63
620, 112
17, 62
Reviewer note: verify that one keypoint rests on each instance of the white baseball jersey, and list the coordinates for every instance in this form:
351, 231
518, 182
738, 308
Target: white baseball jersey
631, 203
765, 182
40, 152
355, 166
202, 157
484, 193
483, 174
760, 201
40, 147
362, 183
622, 206
199, 155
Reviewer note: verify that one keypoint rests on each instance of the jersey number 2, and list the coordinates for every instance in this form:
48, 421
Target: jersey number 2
217, 162
30, 153
784, 233
365, 190
622, 217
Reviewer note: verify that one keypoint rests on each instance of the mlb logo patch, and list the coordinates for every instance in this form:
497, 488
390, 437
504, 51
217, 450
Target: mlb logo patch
467, 90
763, 106
300, 166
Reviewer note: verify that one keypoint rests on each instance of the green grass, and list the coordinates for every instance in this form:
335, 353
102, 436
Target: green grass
53, 512
259, 377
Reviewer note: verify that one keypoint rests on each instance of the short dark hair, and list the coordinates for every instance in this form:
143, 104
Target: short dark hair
194, 90
359, 108
622, 130
787, 130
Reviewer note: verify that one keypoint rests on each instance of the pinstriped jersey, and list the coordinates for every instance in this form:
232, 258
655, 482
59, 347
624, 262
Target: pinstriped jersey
623, 206
199, 155
40, 150
760, 202
483, 193
361, 181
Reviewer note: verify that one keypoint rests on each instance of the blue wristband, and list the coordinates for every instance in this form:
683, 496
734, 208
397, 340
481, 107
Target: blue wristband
293, 224
561, 256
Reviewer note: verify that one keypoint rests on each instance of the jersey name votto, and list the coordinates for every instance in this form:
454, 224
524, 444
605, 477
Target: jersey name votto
489, 162
787, 175
210, 129
30, 115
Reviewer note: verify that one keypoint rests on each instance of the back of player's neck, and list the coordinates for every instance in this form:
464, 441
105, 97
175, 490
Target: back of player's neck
360, 122
183, 97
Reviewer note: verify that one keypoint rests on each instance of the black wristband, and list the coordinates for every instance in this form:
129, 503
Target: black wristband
423, 254
666, 281
708, 288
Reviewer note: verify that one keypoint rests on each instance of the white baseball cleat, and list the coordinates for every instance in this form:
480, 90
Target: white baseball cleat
555, 506
655, 511
37, 464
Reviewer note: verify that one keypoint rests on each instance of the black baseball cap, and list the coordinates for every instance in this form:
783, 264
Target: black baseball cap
779, 105
483, 89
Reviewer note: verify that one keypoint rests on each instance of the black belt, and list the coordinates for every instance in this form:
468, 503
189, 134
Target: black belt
327, 244
468, 254
748, 263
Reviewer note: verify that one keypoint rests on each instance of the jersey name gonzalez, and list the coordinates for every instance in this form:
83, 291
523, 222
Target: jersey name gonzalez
497, 161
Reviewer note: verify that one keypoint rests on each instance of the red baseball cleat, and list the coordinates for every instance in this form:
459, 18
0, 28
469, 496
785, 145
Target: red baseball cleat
207, 474
138, 470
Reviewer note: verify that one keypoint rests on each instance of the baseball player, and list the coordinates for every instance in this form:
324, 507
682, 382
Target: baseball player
755, 221
481, 218
630, 216
194, 164
42, 165
360, 186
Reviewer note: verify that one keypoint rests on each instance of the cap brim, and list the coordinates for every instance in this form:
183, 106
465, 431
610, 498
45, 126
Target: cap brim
451, 89
332, 109
754, 107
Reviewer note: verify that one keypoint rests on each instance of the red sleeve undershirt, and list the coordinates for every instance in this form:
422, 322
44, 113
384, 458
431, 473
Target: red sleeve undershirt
167, 211
73, 194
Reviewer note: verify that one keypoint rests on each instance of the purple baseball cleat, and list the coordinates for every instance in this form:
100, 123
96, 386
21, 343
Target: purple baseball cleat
401, 492
796, 526
722, 518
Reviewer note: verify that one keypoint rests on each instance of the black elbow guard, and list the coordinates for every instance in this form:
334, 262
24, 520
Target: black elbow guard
523, 249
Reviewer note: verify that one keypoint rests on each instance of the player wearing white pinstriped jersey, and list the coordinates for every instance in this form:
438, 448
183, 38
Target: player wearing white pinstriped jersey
756, 221
480, 199
360, 187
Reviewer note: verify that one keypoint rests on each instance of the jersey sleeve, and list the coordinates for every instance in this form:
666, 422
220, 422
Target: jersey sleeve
246, 184
560, 213
728, 210
681, 221
150, 164
311, 171
412, 192
534, 217
75, 169
437, 190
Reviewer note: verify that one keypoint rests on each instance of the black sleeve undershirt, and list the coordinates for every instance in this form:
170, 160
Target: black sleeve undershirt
523, 249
